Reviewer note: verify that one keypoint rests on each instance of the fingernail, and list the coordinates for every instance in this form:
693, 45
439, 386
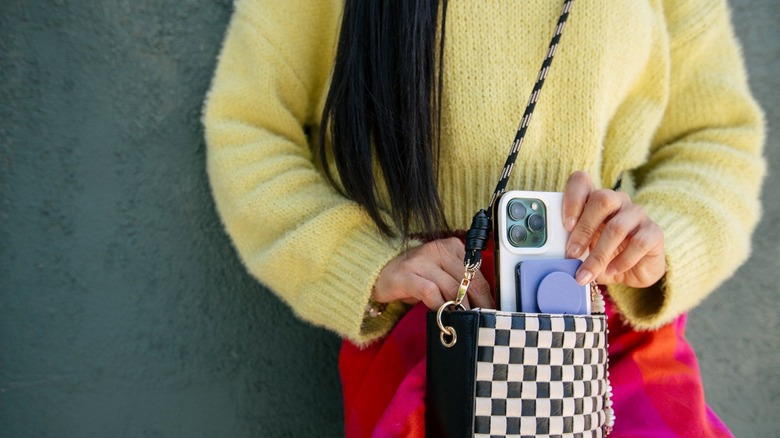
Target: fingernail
584, 277
574, 251
610, 272
570, 222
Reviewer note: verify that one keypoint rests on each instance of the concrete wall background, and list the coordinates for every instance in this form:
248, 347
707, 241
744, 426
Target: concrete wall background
123, 308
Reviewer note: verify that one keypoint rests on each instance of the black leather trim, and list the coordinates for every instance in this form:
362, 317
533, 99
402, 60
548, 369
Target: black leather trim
451, 373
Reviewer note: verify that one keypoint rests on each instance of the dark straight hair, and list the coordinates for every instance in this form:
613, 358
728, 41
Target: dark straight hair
383, 109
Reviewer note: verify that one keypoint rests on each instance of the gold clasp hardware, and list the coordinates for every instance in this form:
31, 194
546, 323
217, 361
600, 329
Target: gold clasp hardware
447, 334
468, 275
464, 287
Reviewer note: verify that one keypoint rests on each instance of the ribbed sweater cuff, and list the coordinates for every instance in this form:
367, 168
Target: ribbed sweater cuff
342, 303
687, 280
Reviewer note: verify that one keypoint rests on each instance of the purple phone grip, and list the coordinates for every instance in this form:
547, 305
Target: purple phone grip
559, 293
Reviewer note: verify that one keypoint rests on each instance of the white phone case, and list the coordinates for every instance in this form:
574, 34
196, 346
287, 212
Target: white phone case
508, 256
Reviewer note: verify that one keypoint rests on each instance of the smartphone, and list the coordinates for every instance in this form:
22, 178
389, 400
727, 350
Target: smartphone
528, 225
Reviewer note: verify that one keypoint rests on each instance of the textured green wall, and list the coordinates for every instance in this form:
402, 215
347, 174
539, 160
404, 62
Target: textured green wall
123, 308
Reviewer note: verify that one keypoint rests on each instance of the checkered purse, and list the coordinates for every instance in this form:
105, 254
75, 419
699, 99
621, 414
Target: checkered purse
510, 374
507, 374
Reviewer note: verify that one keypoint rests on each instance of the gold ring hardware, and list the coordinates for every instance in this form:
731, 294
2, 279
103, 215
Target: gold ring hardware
448, 330
452, 334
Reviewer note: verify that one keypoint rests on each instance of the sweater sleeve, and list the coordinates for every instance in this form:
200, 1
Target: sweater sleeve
703, 176
318, 251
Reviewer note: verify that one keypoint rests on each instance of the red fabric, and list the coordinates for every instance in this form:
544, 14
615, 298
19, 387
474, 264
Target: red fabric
657, 388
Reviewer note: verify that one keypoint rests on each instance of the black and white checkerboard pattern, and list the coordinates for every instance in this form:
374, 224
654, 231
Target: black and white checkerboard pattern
540, 375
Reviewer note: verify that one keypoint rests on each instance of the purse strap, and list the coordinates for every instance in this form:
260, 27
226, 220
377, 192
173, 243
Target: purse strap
479, 232
529, 108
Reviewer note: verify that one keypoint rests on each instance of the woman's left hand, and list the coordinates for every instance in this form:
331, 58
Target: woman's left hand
626, 246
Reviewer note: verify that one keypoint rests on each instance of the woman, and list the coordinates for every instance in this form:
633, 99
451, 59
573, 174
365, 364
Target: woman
414, 103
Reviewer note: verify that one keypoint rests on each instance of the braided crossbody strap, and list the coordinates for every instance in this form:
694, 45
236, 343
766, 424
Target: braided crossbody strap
479, 232
480, 228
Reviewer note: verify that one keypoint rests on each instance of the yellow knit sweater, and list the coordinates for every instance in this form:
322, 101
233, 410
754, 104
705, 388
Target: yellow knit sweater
655, 89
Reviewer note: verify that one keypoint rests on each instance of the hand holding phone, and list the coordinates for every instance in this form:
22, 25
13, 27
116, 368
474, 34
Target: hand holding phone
626, 245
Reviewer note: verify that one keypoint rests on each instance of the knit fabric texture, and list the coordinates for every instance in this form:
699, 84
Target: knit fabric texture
653, 90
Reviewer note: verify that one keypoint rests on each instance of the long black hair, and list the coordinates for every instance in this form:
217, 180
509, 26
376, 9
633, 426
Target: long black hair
383, 109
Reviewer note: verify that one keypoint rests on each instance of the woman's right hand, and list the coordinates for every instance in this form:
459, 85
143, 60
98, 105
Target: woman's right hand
430, 273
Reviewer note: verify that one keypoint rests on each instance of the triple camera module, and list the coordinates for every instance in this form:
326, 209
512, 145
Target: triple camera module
526, 223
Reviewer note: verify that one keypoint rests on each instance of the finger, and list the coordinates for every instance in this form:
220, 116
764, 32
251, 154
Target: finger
451, 247
451, 253
616, 230
479, 290
600, 205
578, 187
448, 286
451, 256
648, 240
457, 247
424, 290
480, 294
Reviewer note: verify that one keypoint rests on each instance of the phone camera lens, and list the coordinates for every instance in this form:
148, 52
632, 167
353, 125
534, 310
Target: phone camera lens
517, 210
517, 234
535, 223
